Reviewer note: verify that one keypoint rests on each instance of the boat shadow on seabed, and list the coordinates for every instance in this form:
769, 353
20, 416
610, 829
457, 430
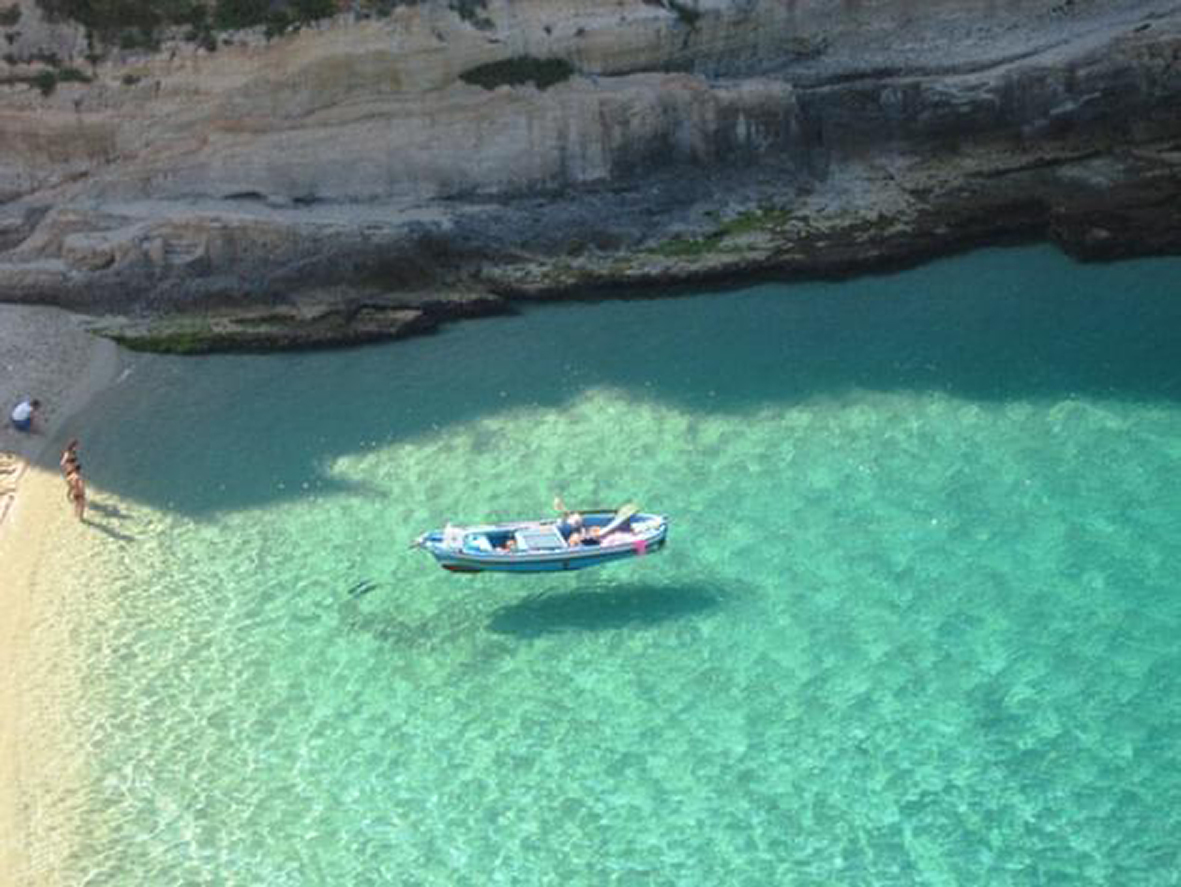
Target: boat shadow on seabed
599, 608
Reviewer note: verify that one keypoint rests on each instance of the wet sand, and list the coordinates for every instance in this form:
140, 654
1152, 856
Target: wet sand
45, 354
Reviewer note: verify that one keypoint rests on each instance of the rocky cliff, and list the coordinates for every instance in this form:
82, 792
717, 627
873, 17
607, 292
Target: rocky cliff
370, 175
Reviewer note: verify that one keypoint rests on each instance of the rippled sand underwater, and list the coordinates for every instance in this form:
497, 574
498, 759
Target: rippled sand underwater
916, 623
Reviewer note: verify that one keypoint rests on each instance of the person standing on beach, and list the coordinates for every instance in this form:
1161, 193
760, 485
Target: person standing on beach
23, 413
76, 490
69, 459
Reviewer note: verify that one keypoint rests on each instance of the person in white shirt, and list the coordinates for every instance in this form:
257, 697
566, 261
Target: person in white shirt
23, 413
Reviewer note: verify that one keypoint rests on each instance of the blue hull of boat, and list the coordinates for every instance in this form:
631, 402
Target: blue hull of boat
467, 565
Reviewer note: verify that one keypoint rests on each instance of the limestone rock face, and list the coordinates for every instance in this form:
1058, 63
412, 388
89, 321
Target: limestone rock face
356, 150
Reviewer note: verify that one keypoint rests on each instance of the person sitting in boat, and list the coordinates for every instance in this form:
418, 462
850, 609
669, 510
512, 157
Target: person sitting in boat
573, 528
569, 523
570, 526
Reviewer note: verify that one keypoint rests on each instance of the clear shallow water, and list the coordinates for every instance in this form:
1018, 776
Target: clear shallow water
916, 623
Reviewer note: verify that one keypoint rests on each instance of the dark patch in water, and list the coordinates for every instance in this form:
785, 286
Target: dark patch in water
603, 609
362, 588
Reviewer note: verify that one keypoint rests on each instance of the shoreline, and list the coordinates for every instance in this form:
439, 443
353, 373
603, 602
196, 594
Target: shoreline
351, 318
48, 355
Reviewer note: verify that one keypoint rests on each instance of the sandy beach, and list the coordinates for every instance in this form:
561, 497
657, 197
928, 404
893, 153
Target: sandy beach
44, 353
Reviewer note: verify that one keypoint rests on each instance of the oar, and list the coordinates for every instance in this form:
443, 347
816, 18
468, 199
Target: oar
622, 516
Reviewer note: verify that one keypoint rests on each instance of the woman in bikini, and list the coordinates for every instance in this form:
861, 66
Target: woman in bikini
69, 459
76, 490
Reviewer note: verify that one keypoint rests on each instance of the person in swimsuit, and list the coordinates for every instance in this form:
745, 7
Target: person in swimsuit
586, 536
76, 491
69, 459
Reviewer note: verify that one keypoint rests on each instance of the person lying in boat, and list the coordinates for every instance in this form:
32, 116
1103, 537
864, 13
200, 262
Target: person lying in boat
585, 536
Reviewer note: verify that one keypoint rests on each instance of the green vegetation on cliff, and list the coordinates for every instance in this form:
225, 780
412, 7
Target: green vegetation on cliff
519, 70
769, 219
231, 14
688, 14
47, 79
111, 16
194, 342
136, 23
472, 12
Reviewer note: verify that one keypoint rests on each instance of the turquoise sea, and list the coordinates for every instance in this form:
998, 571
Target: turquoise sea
918, 620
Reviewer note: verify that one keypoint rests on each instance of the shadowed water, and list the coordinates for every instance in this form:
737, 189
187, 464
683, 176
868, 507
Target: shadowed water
602, 608
916, 621
1023, 324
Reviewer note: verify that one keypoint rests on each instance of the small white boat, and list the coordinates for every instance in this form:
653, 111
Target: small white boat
573, 542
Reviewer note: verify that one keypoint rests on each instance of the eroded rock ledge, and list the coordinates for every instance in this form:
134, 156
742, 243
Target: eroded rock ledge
348, 183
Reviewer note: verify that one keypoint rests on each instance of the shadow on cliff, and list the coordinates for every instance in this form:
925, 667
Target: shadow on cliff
202, 435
